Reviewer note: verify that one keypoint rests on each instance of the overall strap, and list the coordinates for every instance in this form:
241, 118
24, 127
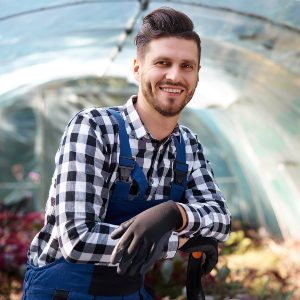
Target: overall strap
127, 165
180, 169
125, 150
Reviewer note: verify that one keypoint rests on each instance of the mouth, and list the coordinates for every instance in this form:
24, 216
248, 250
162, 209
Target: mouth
171, 91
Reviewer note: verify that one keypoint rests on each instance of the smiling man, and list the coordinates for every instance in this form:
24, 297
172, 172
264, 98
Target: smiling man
131, 185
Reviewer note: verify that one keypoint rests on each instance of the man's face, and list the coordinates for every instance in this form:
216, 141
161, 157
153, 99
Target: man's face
167, 74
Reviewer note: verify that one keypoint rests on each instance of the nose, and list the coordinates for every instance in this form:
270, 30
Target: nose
173, 73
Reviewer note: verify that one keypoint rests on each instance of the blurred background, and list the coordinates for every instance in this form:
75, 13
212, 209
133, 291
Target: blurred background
57, 57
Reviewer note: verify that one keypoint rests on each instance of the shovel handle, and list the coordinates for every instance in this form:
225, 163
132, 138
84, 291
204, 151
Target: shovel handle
199, 264
194, 287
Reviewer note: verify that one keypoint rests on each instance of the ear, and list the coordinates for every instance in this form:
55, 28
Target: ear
136, 69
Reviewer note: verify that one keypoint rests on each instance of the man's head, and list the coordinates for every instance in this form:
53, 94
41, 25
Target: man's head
167, 63
166, 22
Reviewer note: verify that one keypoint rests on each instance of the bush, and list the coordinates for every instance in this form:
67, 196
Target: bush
17, 230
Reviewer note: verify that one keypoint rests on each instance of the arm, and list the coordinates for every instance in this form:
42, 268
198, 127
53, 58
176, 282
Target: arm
82, 190
206, 210
206, 207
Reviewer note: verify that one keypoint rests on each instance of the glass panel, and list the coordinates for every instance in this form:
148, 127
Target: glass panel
58, 58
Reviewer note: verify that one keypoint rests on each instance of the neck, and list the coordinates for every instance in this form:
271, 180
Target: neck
158, 125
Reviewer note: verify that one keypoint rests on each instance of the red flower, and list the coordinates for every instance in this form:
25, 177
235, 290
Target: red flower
16, 233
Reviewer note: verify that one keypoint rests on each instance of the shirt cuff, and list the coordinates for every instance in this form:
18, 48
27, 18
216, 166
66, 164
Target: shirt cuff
190, 220
172, 246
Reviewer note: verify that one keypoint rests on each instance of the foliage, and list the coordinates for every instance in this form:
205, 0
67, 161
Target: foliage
249, 268
17, 229
168, 277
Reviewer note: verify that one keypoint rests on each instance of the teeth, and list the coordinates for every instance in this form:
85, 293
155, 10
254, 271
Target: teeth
175, 91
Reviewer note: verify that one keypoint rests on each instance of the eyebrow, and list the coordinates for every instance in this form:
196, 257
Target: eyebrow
189, 61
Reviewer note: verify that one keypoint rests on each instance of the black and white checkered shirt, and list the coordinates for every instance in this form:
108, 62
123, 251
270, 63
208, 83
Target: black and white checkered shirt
86, 169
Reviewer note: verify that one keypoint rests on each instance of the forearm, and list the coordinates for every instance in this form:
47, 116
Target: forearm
206, 208
212, 220
83, 236
86, 244
183, 216
206, 219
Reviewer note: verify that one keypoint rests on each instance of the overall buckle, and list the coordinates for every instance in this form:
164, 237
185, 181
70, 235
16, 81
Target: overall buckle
125, 168
180, 171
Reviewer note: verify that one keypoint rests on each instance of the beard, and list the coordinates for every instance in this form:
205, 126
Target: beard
170, 110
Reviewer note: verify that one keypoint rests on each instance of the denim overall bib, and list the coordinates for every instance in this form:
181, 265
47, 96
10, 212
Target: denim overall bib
62, 280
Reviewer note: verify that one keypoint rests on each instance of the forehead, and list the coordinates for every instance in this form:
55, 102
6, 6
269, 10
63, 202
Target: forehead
173, 48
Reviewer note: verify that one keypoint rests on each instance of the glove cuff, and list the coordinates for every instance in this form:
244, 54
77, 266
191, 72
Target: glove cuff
175, 213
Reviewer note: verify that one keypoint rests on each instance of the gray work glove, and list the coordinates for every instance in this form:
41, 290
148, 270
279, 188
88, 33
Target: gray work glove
144, 237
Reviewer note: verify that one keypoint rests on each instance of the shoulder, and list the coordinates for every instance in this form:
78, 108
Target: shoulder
190, 138
93, 125
193, 147
95, 117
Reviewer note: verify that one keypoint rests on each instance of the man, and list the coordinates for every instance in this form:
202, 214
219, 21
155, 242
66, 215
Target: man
131, 165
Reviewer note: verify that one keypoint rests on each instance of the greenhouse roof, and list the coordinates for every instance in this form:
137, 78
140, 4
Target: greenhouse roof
57, 57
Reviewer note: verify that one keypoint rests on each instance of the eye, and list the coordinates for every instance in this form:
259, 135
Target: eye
187, 66
163, 63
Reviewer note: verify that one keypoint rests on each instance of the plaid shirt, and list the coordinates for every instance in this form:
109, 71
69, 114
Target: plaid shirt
86, 169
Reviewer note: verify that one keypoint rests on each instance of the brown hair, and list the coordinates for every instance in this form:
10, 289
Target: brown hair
166, 22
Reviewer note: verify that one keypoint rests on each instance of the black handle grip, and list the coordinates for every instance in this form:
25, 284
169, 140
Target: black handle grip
197, 267
194, 288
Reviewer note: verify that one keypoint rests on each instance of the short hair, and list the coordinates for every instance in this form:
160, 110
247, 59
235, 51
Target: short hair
166, 22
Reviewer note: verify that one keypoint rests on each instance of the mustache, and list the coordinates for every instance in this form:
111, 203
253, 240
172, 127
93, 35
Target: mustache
177, 84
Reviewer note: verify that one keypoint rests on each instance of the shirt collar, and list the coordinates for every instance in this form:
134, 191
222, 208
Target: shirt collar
137, 128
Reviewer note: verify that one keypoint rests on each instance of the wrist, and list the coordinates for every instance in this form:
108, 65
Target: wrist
183, 217
182, 241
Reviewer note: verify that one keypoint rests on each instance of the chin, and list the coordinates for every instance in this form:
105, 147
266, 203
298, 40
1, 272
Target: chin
168, 112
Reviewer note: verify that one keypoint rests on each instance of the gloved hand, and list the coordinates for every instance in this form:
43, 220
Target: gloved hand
209, 246
143, 238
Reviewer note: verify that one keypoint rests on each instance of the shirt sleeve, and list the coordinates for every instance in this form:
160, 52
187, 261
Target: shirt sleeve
82, 192
172, 246
206, 209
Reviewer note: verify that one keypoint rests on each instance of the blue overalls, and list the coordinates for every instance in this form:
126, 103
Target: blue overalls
62, 280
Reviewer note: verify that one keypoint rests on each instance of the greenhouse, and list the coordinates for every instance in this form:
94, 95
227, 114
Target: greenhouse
58, 57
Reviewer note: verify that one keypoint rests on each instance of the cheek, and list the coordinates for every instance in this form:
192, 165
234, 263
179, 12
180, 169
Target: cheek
155, 76
151, 78
193, 82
